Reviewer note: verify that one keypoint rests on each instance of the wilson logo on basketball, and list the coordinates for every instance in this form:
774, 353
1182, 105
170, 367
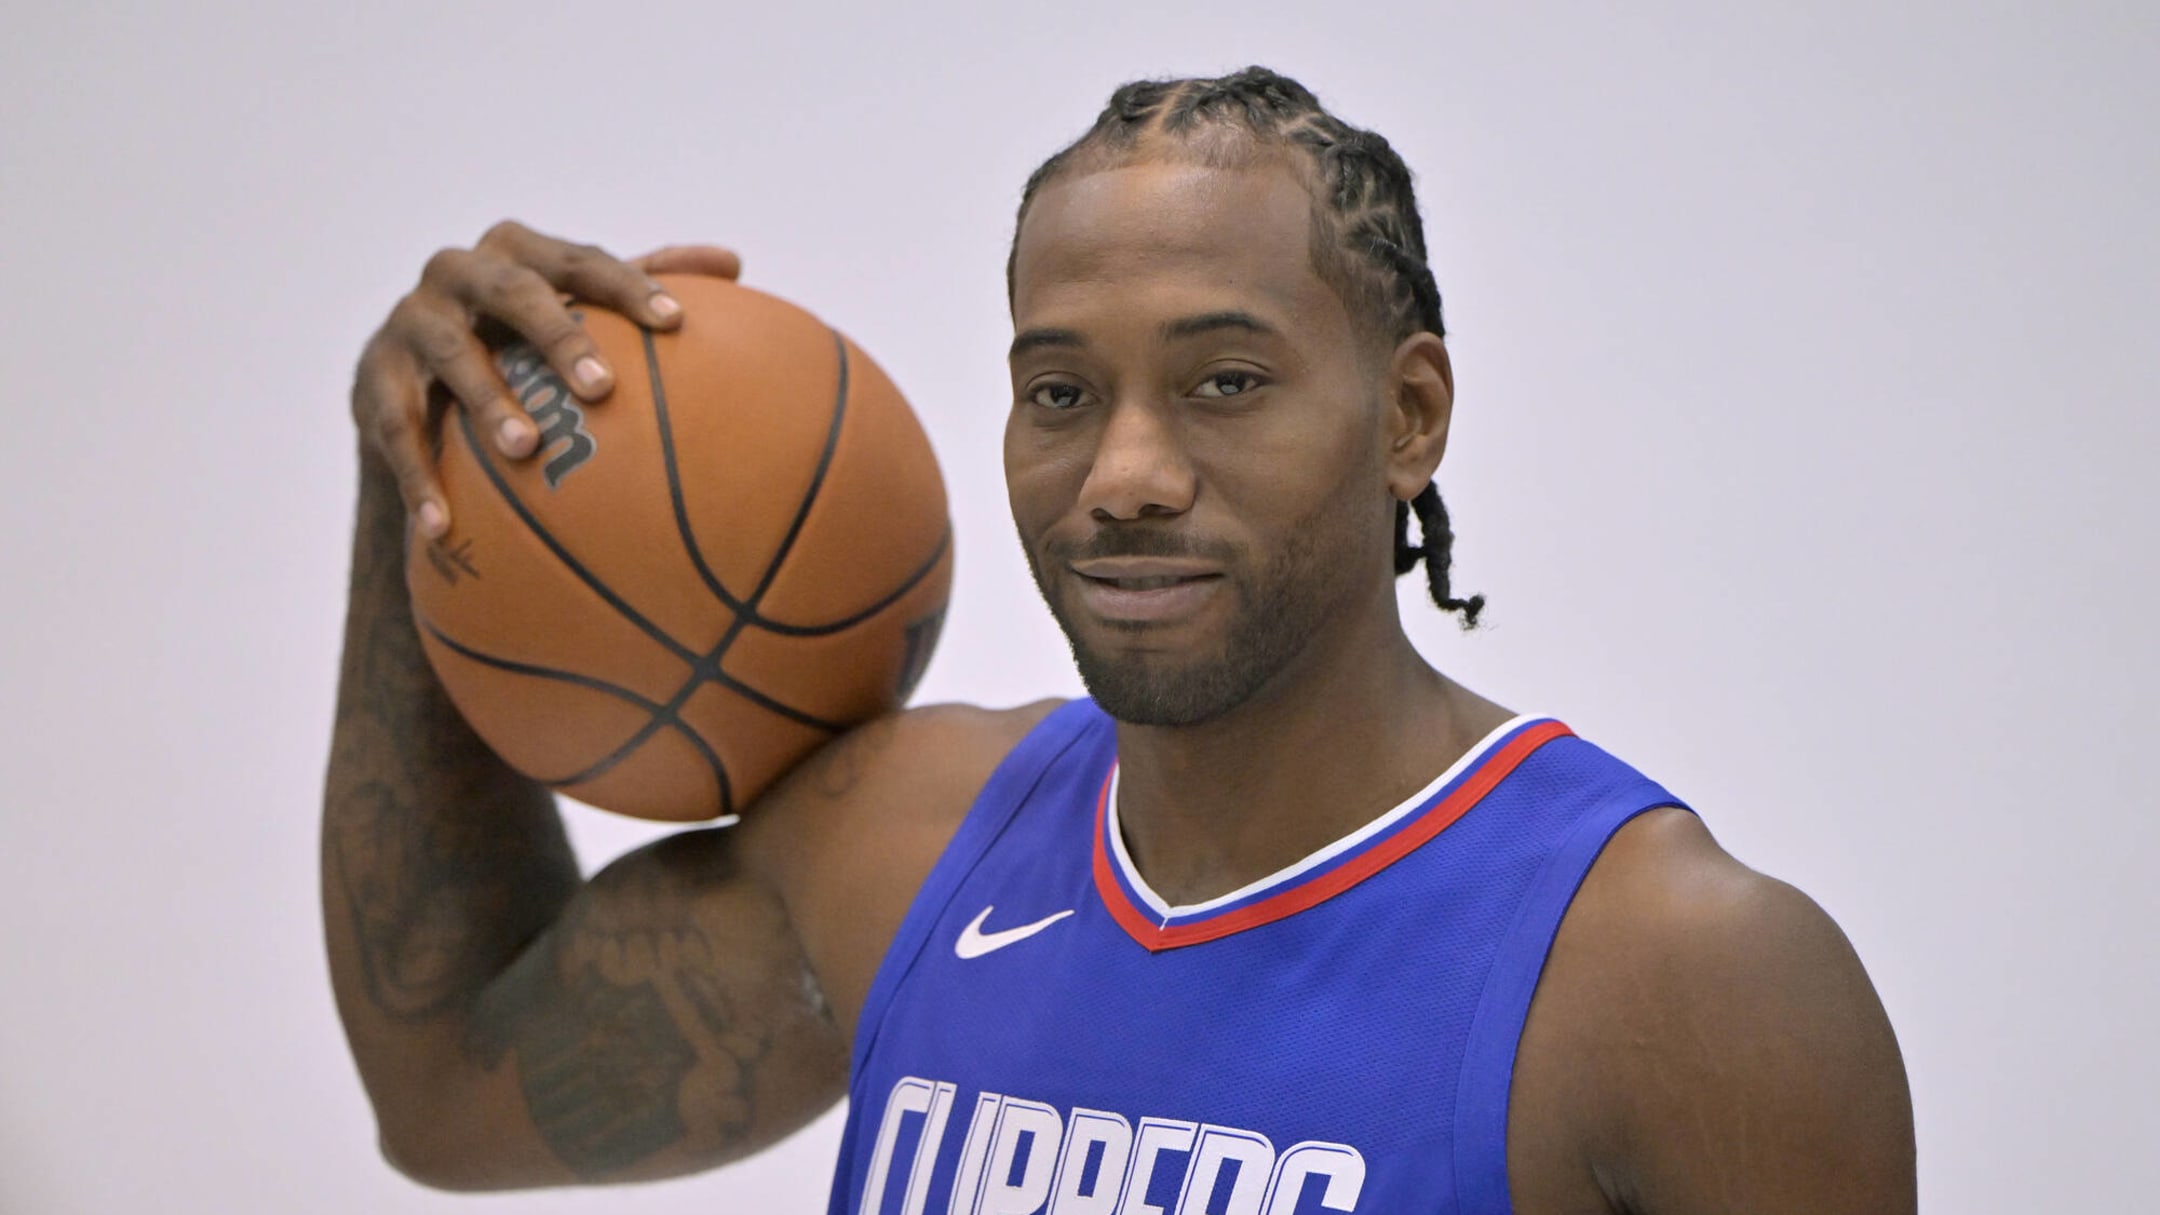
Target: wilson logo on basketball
554, 410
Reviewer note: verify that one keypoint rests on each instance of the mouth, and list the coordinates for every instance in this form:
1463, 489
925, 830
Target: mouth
1152, 582
1130, 593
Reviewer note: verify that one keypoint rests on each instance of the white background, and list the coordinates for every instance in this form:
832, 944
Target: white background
1804, 444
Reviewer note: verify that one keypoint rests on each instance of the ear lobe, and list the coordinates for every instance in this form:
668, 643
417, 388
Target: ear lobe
1423, 401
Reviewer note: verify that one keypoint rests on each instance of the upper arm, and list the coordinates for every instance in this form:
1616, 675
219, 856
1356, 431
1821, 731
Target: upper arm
666, 1022
695, 1000
1735, 1056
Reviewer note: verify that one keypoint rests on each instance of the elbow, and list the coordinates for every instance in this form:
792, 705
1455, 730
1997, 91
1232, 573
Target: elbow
421, 1158
434, 1156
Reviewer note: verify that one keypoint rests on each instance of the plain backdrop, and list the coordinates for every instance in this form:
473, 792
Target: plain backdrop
1804, 445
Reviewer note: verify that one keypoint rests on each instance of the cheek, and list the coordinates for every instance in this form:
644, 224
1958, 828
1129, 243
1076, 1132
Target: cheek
1284, 469
1035, 479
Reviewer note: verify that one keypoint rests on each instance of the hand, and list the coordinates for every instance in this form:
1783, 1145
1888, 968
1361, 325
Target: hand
520, 278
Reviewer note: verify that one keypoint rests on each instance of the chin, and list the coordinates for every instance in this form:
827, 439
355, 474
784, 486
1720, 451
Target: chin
1137, 676
1150, 690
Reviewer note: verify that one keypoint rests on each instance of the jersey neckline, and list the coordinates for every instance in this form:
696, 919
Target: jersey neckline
1150, 920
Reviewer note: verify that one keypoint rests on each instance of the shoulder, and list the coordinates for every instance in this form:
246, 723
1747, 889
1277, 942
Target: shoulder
1725, 1040
847, 837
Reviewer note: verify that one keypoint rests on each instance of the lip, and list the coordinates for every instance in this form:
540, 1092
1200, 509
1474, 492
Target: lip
1188, 590
1116, 568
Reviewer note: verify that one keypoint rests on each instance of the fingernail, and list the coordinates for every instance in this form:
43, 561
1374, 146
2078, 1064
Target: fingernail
511, 436
432, 520
664, 306
589, 372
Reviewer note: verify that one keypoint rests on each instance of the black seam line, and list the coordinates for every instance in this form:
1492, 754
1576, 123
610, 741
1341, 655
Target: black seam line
472, 442
688, 535
660, 713
817, 478
665, 715
706, 670
763, 701
912, 581
674, 481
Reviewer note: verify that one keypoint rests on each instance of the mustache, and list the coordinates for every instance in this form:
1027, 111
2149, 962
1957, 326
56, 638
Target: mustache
1130, 541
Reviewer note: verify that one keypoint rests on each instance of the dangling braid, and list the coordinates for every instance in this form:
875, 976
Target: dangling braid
1368, 242
1435, 539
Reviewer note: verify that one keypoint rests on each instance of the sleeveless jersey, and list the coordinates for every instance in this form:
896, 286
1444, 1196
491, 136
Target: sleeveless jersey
1047, 1035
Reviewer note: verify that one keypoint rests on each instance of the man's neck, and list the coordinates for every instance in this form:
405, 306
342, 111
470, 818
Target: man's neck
1210, 808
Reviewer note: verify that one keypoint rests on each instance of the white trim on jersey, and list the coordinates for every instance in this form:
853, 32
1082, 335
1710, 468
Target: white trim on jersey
1281, 877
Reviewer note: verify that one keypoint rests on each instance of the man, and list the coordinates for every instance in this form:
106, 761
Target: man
1280, 920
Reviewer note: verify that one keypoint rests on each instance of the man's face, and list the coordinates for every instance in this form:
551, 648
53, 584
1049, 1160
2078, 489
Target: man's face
1194, 454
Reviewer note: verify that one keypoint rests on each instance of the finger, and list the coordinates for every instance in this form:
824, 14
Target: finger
390, 407
709, 260
519, 297
587, 272
447, 351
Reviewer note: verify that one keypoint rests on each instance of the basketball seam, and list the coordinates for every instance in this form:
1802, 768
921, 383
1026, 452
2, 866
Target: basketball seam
817, 477
915, 579
707, 669
704, 668
518, 507
660, 714
688, 534
674, 479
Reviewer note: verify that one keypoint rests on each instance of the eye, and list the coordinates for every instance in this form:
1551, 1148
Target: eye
1227, 384
1056, 396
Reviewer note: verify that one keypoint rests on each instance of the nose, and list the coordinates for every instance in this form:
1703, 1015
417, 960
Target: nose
1140, 468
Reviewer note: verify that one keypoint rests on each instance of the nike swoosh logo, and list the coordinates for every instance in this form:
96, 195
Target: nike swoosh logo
974, 942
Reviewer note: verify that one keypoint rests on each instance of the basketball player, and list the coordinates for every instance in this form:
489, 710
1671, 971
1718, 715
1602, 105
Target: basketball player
1280, 920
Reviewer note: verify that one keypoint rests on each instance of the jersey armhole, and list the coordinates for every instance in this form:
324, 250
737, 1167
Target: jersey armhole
1488, 1066
1009, 787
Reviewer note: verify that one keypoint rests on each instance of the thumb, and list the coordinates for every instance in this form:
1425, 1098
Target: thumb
709, 260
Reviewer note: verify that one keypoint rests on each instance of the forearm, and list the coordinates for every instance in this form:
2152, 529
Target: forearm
439, 862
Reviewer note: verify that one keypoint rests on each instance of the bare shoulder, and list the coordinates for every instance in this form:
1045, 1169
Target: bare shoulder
848, 837
1718, 1037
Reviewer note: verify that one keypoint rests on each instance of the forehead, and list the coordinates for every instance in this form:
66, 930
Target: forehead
1170, 235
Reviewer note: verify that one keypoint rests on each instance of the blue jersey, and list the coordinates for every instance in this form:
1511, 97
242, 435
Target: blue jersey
1048, 1035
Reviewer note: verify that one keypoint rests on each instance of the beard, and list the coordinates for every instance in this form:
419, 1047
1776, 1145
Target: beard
1275, 608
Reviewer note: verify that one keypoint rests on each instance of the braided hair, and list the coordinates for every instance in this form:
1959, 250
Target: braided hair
1367, 240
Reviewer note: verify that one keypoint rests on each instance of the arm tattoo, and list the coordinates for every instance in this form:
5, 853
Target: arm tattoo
624, 1020
445, 860
460, 906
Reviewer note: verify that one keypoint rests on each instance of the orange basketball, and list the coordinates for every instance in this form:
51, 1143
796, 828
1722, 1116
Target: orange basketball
694, 583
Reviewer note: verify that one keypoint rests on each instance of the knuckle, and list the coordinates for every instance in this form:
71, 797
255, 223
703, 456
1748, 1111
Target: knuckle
406, 315
415, 485
392, 428
582, 258
444, 265
504, 232
559, 334
441, 344
501, 280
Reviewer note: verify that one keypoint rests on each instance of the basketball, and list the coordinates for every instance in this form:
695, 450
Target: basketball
694, 583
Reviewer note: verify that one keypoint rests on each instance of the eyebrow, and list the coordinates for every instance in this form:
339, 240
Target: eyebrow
1038, 339
1183, 327
1209, 322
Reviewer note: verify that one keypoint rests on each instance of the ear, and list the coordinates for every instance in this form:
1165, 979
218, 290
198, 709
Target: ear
1421, 384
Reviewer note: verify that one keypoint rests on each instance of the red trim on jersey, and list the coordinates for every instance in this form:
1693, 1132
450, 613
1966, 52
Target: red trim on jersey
1406, 839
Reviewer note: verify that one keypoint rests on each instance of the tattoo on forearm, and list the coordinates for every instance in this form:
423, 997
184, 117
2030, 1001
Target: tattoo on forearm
631, 1032
446, 860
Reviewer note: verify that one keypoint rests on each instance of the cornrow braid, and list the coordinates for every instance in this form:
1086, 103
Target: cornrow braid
1368, 241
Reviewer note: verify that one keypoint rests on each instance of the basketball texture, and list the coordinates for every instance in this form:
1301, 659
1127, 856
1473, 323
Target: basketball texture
741, 552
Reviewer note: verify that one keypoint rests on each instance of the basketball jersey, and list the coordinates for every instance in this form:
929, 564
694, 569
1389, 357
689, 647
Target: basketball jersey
1047, 1035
